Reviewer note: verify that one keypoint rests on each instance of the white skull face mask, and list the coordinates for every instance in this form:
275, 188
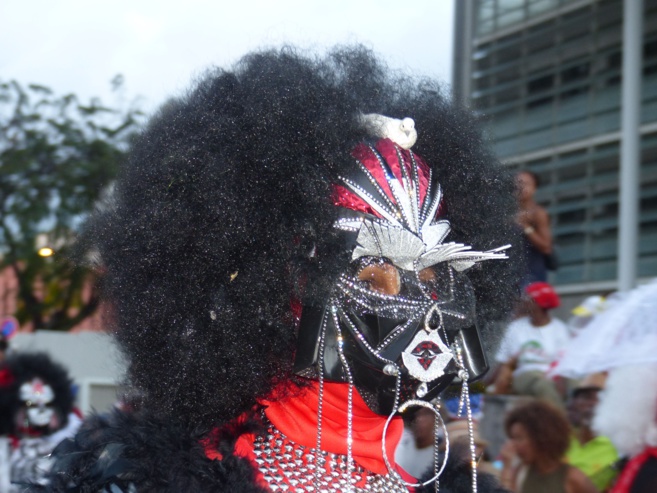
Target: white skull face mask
37, 397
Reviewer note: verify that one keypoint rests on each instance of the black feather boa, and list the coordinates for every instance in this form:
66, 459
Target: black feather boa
123, 452
135, 453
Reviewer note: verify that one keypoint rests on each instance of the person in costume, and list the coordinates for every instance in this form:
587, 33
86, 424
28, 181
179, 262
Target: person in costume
627, 411
627, 414
622, 341
36, 413
299, 250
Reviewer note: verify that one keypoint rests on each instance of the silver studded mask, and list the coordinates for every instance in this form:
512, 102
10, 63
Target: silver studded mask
396, 315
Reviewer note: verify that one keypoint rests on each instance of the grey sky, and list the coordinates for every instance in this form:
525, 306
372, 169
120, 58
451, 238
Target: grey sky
159, 46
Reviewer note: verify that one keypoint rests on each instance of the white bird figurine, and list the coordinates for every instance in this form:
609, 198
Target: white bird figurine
401, 132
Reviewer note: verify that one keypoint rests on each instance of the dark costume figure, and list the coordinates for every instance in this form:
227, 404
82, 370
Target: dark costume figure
287, 276
36, 413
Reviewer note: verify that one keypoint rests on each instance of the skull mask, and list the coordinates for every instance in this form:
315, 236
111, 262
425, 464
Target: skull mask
37, 398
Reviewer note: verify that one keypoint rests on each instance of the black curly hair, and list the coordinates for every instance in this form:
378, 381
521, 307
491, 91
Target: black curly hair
206, 238
23, 367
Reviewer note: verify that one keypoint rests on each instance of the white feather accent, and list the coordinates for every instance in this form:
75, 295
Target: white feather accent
410, 252
397, 244
435, 233
405, 204
627, 411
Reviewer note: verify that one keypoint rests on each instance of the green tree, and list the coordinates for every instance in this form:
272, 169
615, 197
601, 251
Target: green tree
57, 156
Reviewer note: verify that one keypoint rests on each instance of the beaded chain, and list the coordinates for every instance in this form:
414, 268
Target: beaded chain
287, 466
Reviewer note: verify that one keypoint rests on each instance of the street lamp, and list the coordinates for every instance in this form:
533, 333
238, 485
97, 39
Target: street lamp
42, 245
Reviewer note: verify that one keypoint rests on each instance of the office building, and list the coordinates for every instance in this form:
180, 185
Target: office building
545, 76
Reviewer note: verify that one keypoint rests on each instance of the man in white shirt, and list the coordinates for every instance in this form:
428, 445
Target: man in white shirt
533, 343
415, 452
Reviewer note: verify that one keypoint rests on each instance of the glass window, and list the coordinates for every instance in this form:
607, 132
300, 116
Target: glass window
573, 172
485, 9
536, 7
572, 92
575, 72
540, 84
506, 5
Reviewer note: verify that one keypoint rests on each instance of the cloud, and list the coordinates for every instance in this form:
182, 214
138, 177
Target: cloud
79, 46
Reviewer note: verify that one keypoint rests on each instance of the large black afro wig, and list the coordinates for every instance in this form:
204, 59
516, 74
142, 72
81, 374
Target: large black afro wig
206, 240
24, 367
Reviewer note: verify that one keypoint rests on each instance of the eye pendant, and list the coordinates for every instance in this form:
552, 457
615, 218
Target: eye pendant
426, 357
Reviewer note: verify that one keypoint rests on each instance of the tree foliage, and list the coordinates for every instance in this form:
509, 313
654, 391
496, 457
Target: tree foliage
57, 156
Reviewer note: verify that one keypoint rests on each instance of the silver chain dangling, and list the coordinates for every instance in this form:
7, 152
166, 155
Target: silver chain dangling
465, 402
436, 449
401, 409
320, 403
350, 409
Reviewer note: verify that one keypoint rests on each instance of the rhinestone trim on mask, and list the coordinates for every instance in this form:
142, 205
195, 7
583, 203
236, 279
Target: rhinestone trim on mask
287, 466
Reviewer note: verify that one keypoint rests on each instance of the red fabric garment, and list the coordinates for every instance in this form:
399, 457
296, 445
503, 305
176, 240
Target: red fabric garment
628, 475
296, 418
342, 197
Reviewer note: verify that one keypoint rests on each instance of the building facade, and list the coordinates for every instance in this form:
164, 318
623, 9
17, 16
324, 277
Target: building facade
545, 76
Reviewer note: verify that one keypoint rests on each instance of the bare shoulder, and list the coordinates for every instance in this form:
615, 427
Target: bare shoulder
539, 213
578, 482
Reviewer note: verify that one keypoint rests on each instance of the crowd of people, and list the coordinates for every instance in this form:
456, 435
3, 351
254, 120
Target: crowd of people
552, 445
567, 430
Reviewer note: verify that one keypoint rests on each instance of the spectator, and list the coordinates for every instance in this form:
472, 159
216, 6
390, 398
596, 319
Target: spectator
415, 452
535, 224
531, 345
583, 313
533, 456
459, 445
595, 455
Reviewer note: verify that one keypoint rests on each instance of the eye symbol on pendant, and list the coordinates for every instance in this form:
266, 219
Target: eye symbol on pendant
426, 357
426, 352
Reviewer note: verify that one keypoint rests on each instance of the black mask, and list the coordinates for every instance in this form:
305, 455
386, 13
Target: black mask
401, 321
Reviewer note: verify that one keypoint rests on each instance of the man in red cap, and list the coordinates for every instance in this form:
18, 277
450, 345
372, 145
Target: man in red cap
533, 343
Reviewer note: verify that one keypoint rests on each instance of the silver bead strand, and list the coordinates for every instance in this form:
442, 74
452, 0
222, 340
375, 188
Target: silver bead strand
436, 450
401, 409
320, 405
465, 401
350, 410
